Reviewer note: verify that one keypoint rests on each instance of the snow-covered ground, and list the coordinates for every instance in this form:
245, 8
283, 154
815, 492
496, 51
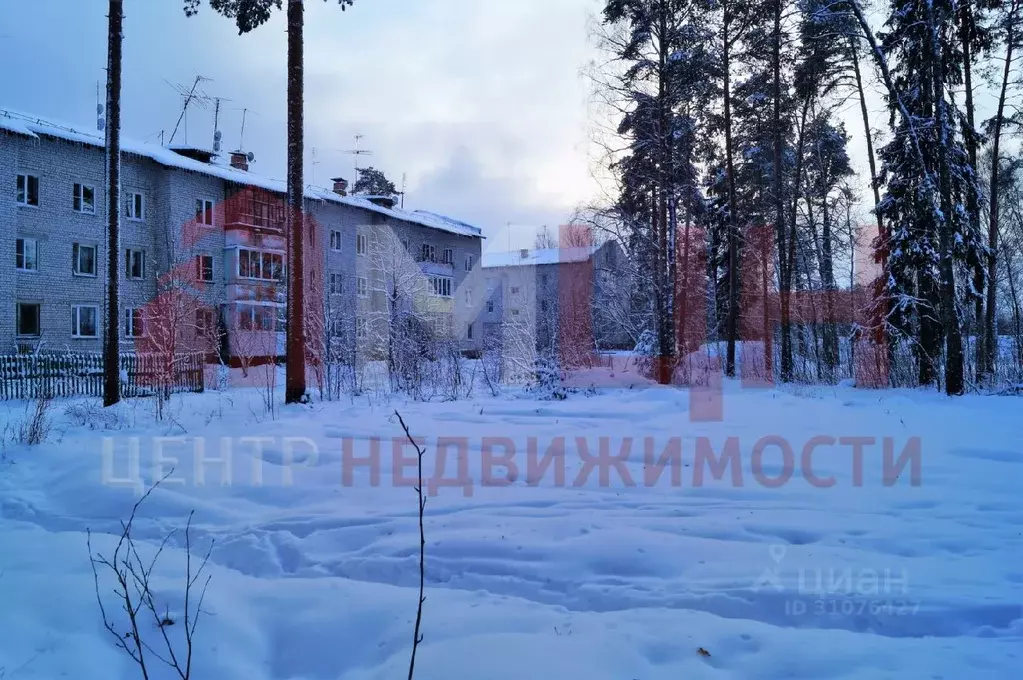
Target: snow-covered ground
314, 574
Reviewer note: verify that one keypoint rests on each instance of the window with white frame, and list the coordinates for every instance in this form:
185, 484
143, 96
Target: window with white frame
84, 199
27, 319
255, 264
362, 286
204, 211
469, 262
256, 317
361, 244
28, 190
83, 259
428, 253
204, 268
441, 285
335, 240
449, 256
26, 255
490, 306
135, 206
337, 327
135, 264
83, 321
134, 323
281, 319
361, 328
337, 284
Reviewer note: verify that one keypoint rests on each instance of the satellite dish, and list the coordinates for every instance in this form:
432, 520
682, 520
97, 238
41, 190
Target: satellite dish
216, 146
99, 109
101, 124
251, 156
217, 136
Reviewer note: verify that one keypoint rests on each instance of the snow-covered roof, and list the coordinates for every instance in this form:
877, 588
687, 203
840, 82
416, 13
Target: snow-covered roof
539, 256
30, 126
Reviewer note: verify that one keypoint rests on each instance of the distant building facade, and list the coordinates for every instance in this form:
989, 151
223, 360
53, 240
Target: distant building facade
203, 246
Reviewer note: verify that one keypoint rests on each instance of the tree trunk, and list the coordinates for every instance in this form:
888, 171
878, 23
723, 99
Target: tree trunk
784, 266
954, 377
991, 331
295, 384
111, 336
874, 184
972, 199
733, 234
665, 327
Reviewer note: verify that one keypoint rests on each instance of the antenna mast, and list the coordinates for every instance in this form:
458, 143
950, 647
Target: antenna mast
191, 96
356, 152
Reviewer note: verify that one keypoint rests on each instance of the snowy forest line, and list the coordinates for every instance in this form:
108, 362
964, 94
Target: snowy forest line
724, 142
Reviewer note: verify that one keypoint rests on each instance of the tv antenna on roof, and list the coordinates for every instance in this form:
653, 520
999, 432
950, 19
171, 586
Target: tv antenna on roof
356, 152
191, 96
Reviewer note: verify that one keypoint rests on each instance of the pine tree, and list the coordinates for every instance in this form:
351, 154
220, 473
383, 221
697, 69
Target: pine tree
111, 336
372, 182
248, 15
925, 167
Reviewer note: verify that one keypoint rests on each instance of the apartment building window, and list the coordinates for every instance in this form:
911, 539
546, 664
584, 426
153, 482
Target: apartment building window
337, 284
469, 262
83, 260
361, 329
135, 264
28, 190
468, 332
361, 244
490, 306
337, 328
514, 290
468, 298
428, 252
441, 285
253, 264
204, 211
449, 256
84, 200
362, 286
135, 206
26, 255
83, 321
27, 319
205, 323
204, 268
281, 319
335, 241
256, 317
134, 324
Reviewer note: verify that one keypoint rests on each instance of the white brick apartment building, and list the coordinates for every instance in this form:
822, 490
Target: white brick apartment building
219, 228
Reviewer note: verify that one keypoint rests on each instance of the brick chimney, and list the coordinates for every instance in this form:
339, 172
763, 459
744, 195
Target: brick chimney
340, 186
240, 160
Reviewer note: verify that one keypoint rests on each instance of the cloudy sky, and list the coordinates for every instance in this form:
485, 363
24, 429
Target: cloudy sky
482, 104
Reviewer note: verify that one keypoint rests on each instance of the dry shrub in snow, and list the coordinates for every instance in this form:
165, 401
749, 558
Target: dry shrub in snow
34, 428
144, 626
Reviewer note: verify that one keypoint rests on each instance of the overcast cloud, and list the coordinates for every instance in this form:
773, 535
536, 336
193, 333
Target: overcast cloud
480, 103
